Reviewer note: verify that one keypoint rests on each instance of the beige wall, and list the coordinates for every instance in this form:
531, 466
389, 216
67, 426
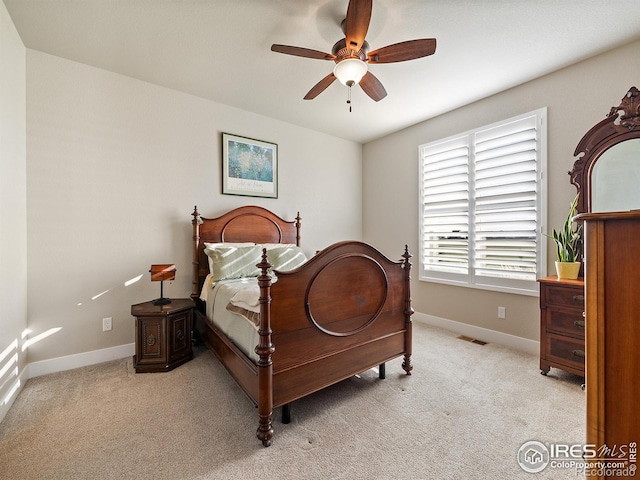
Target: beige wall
13, 211
577, 97
115, 166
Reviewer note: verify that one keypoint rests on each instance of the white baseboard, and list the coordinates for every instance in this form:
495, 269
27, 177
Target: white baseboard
69, 362
5, 403
35, 369
484, 334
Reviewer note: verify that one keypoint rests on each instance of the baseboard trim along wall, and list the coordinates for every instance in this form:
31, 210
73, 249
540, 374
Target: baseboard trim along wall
484, 334
18, 384
44, 367
69, 362
35, 369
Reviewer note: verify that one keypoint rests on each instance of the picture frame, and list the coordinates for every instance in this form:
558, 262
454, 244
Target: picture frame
249, 167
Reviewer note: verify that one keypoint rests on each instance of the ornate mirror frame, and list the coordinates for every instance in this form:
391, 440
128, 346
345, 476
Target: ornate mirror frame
621, 124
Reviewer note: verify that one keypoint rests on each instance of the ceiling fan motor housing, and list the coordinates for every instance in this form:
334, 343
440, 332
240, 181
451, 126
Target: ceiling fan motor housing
341, 51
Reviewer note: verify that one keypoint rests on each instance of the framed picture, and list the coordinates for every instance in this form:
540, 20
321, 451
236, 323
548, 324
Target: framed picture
249, 167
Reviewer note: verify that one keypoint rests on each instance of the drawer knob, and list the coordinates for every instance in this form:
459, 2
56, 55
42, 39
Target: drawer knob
578, 353
578, 298
579, 323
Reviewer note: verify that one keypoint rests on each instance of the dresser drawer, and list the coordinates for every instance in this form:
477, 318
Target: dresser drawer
566, 322
570, 297
565, 350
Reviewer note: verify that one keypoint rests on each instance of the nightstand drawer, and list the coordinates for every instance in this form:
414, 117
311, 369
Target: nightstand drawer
566, 350
566, 322
565, 296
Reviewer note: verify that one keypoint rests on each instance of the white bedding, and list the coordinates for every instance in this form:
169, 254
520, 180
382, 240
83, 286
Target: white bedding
248, 297
233, 303
241, 331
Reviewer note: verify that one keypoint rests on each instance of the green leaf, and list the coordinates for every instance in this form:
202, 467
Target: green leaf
568, 239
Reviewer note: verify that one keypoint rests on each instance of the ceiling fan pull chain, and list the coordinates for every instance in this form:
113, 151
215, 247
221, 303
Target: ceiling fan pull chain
349, 98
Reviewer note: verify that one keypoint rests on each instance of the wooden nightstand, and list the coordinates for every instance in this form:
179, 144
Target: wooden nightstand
562, 325
163, 335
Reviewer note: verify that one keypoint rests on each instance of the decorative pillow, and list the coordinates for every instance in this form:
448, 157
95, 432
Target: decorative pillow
271, 246
228, 244
286, 257
208, 245
234, 262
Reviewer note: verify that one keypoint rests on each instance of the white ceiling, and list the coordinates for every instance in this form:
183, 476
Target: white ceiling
220, 50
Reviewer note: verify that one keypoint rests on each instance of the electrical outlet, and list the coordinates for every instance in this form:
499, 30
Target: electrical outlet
107, 324
502, 312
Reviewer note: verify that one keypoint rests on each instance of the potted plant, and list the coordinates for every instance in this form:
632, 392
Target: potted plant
568, 241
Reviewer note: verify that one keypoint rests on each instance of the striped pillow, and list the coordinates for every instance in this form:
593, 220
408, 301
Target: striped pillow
286, 257
234, 262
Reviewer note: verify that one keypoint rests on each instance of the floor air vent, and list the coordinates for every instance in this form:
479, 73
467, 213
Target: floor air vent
472, 340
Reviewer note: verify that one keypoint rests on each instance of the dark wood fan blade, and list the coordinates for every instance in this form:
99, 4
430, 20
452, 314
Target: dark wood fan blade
403, 51
302, 52
320, 87
357, 22
372, 87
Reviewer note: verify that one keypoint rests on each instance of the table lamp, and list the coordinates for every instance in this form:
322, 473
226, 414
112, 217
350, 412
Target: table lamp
160, 273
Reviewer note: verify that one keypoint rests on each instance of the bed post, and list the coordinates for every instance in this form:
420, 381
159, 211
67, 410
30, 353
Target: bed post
265, 349
408, 311
298, 225
195, 293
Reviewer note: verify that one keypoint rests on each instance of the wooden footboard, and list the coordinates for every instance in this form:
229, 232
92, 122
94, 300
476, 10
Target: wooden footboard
346, 310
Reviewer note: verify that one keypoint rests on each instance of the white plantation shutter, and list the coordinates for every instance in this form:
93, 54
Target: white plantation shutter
482, 205
445, 195
505, 197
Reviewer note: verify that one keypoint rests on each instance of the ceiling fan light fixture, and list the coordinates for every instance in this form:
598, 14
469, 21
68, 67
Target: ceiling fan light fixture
350, 71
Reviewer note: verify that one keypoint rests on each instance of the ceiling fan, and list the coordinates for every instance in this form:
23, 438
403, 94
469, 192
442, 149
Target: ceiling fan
351, 54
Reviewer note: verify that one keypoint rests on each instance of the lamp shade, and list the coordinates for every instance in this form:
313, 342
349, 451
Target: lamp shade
160, 273
350, 71
163, 272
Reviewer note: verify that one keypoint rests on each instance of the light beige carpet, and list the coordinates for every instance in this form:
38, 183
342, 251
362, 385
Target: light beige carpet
463, 414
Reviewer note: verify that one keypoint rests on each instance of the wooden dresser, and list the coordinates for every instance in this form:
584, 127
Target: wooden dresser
612, 278
562, 325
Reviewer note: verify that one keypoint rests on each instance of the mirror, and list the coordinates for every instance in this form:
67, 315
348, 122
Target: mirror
615, 180
607, 170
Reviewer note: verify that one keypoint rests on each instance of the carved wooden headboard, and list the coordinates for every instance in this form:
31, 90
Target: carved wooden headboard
243, 224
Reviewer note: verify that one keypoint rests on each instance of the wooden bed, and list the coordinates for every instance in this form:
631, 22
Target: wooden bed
346, 310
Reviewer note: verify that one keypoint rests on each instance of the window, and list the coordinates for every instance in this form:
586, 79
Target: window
483, 203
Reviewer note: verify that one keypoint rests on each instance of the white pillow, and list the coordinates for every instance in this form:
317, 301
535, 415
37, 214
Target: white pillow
271, 246
286, 258
208, 245
228, 244
234, 262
